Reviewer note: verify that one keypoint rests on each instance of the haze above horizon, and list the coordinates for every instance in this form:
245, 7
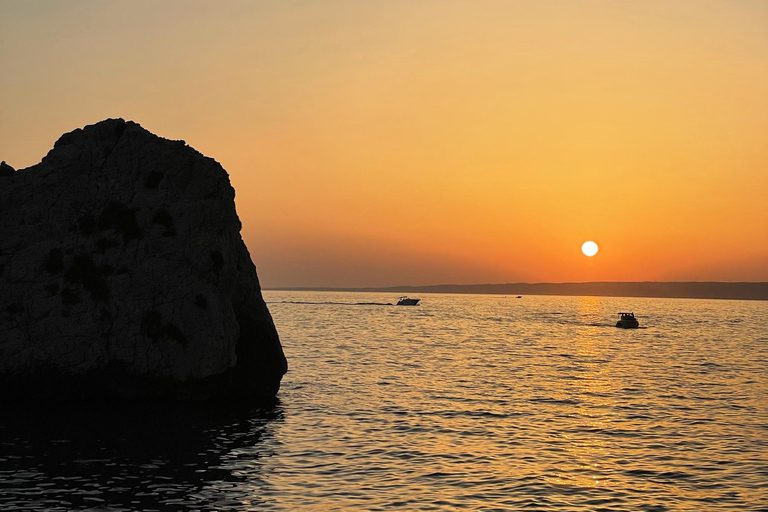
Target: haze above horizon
373, 144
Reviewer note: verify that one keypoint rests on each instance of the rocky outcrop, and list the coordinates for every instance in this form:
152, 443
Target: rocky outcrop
123, 273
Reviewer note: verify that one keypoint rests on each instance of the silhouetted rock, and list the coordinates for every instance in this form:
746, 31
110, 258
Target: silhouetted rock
5, 169
123, 273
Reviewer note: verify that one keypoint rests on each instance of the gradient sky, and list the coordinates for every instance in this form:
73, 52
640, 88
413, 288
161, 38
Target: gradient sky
376, 143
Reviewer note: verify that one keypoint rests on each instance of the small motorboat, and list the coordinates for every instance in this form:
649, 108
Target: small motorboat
627, 321
407, 301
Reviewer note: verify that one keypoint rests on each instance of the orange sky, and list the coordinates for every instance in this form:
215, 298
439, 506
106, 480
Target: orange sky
378, 143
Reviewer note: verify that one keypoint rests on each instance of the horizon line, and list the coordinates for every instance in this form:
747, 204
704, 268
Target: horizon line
730, 290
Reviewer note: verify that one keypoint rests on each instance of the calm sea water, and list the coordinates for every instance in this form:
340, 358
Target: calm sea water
461, 403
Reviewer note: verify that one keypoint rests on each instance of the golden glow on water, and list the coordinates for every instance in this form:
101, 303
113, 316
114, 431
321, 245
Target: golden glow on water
462, 403
592, 389
482, 402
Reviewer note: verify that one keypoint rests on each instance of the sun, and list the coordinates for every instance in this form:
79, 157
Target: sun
589, 248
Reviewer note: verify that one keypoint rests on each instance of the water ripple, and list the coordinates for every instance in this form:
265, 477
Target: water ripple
464, 403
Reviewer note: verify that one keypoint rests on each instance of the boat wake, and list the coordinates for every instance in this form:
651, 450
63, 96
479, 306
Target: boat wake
333, 303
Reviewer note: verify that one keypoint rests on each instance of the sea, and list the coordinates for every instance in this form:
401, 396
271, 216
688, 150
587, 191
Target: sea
464, 402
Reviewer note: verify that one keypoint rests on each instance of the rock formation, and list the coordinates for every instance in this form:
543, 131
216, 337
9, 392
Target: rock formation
123, 274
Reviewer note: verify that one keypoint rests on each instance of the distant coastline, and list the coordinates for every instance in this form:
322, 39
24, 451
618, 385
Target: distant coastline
651, 289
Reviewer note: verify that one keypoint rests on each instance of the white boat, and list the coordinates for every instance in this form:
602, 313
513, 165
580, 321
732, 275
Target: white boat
406, 301
627, 321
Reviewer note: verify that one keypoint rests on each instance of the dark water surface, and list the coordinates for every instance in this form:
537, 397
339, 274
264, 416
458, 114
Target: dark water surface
461, 403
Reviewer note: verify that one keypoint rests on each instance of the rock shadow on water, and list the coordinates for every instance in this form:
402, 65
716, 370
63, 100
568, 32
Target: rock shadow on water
117, 457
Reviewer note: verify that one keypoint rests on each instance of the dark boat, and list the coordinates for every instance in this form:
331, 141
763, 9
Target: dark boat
405, 301
627, 321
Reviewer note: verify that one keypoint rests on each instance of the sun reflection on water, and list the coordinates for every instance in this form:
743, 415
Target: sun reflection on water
591, 393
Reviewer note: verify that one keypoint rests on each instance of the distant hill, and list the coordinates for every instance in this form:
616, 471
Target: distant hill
685, 290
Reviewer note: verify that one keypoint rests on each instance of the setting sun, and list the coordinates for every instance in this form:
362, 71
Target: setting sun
589, 248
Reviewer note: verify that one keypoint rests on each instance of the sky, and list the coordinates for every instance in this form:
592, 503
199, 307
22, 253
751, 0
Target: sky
385, 143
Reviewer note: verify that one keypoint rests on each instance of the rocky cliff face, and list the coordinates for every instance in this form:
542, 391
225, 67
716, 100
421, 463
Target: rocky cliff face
123, 273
